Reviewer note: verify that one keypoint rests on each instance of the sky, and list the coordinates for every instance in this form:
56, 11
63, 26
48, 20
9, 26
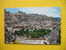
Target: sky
49, 11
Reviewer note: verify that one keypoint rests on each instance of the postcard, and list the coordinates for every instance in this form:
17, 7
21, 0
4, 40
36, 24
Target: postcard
32, 25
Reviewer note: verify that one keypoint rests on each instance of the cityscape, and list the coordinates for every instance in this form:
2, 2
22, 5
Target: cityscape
32, 25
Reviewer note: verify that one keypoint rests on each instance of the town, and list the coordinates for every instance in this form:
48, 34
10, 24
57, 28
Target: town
26, 28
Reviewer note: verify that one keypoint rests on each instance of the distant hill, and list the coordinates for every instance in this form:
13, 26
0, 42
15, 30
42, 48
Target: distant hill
57, 19
21, 17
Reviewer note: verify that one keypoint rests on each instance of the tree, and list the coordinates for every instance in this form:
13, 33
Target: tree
34, 34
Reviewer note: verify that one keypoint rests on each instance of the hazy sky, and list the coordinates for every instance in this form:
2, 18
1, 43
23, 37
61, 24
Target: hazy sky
49, 11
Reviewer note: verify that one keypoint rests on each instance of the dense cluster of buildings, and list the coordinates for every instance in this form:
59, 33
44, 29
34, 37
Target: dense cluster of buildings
19, 20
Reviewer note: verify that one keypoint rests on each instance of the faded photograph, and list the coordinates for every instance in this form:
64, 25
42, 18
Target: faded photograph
32, 25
